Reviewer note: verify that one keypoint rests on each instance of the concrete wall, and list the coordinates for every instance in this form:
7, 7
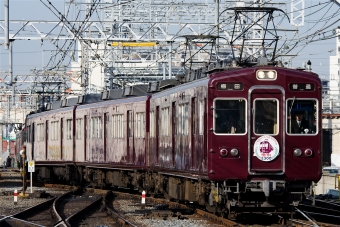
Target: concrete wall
331, 141
326, 182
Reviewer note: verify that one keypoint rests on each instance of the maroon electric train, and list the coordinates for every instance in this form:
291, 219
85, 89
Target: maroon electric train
228, 140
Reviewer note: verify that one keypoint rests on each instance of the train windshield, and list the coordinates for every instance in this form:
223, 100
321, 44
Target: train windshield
230, 116
301, 116
265, 114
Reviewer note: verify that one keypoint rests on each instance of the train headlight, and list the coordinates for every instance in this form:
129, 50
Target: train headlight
308, 152
271, 75
224, 152
234, 152
266, 75
297, 152
260, 74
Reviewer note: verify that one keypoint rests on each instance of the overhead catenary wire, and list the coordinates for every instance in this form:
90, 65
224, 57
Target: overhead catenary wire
286, 42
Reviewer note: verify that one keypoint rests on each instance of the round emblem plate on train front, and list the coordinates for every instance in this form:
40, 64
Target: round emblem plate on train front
266, 148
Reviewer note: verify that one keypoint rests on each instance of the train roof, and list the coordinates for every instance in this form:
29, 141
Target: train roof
196, 83
192, 77
114, 101
42, 113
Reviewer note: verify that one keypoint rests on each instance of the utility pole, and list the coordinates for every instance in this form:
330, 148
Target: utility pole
337, 2
6, 24
297, 12
10, 96
217, 25
9, 46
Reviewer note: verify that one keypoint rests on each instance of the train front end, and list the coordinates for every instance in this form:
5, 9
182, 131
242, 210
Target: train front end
264, 137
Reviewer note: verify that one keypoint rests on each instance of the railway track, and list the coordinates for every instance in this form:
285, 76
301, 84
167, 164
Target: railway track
63, 205
324, 211
99, 207
70, 209
162, 212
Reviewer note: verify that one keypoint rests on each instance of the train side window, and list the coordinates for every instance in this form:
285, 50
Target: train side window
69, 129
266, 116
96, 127
54, 130
302, 116
165, 121
152, 124
107, 123
183, 119
40, 132
79, 127
193, 116
117, 126
230, 116
28, 138
201, 117
130, 123
140, 125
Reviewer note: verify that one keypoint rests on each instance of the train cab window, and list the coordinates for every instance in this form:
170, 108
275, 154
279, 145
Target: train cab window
266, 116
301, 116
229, 116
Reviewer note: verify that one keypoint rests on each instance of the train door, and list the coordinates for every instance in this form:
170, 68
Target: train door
46, 139
157, 134
266, 143
61, 137
203, 130
130, 140
106, 124
174, 132
33, 139
193, 132
85, 137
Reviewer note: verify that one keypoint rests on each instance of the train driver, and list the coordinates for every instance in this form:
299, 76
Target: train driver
299, 124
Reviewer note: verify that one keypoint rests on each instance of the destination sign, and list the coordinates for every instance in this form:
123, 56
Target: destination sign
301, 87
234, 86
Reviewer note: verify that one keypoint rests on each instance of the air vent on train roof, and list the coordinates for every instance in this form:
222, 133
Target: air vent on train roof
164, 84
136, 90
68, 101
111, 94
153, 86
89, 98
48, 106
80, 99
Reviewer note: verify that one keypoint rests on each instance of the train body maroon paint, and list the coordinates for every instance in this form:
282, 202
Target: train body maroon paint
227, 141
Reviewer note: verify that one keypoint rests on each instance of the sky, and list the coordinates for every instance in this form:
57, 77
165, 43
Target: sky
27, 54
321, 17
